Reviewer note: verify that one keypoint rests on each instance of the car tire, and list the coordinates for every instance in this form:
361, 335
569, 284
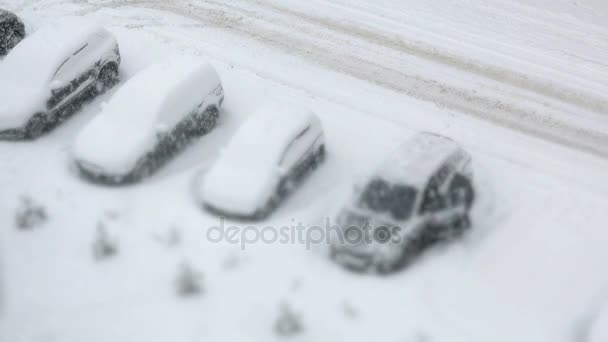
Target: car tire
461, 184
36, 126
410, 251
459, 226
319, 156
107, 78
265, 212
385, 268
201, 123
15, 38
210, 119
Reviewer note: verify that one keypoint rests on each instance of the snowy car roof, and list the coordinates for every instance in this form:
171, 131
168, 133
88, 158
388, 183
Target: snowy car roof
38, 56
271, 127
415, 160
243, 176
153, 101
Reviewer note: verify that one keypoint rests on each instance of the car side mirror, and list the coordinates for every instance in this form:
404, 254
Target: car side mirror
281, 171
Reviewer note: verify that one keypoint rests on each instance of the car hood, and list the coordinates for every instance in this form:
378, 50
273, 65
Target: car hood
19, 103
238, 190
113, 150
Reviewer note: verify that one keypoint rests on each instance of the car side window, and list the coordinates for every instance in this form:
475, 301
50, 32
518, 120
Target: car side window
61, 66
289, 157
68, 70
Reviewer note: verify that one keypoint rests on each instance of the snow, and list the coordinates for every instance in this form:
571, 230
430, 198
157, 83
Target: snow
599, 326
530, 269
26, 72
416, 159
151, 102
247, 172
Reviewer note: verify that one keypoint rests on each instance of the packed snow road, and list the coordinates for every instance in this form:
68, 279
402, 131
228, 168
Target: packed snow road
531, 270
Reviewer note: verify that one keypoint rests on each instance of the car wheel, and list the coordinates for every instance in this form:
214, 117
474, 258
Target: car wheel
262, 213
13, 40
385, 268
144, 169
459, 226
461, 191
210, 119
411, 249
36, 126
269, 208
201, 123
107, 78
319, 156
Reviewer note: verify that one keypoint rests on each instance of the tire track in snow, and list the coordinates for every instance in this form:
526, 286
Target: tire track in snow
249, 23
429, 52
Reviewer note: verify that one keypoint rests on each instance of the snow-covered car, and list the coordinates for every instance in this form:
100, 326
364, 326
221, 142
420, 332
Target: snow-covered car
267, 158
12, 31
51, 73
419, 196
149, 119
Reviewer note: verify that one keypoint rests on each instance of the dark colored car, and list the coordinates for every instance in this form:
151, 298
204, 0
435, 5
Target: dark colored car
420, 196
12, 31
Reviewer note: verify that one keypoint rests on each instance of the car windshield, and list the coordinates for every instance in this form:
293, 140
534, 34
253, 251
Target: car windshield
394, 199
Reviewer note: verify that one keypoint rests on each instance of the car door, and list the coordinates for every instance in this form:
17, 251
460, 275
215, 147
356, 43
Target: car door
73, 76
435, 203
432, 199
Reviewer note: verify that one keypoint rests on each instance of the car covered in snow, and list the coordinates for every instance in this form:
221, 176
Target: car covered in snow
51, 73
419, 196
12, 31
268, 157
153, 116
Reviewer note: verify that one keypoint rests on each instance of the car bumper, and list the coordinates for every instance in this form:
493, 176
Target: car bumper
95, 174
352, 261
254, 216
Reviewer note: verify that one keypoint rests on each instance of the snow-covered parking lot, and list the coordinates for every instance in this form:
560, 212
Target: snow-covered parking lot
520, 84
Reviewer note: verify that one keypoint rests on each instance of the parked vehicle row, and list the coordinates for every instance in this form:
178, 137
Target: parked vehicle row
420, 196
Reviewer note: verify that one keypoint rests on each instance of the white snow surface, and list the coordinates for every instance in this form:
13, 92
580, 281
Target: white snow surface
247, 171
520, 84
26, 73
151, 102
599, 325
